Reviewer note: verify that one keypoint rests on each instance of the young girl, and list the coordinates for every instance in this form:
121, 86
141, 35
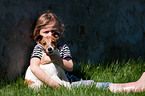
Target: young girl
48, 24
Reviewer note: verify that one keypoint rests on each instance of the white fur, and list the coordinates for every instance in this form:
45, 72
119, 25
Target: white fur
53, 70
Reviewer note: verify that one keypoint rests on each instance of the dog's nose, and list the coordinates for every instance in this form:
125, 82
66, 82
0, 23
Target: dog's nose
49, 49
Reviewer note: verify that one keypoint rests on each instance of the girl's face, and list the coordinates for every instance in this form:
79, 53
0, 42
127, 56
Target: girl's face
50, 30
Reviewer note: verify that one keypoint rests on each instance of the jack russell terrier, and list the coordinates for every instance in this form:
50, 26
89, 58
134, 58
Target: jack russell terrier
55, 72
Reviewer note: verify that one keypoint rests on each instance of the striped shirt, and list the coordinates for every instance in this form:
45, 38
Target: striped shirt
63, 49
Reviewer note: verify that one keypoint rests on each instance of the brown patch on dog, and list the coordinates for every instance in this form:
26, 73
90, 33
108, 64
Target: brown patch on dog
28, 82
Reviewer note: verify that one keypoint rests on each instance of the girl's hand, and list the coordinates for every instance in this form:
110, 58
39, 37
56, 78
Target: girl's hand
45, 60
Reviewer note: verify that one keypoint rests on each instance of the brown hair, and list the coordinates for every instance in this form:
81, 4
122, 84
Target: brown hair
46, 19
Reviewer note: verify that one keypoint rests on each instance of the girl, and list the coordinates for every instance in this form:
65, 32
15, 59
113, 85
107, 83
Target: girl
48, 24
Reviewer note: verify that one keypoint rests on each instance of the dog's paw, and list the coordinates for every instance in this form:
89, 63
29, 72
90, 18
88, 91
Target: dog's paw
34, 86
66, 84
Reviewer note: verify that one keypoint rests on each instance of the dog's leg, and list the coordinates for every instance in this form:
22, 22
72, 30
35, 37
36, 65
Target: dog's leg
55, 72
52, 71
31, 80
61, 74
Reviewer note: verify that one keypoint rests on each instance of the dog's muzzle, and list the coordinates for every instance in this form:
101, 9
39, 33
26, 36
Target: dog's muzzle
50, 50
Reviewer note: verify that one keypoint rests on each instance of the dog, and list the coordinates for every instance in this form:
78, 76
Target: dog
49, 46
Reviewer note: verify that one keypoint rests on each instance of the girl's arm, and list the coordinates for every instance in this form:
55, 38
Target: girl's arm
39, 73
66, 64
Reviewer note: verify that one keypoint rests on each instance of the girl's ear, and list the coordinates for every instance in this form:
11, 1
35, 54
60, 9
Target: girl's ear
39, 38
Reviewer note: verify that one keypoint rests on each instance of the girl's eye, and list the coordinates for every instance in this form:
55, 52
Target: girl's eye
46, 32
56, 34
44, 43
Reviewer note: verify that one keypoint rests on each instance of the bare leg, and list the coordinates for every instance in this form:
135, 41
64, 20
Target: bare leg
137, 86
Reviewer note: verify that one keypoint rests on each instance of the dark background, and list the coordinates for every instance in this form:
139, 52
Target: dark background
96, 30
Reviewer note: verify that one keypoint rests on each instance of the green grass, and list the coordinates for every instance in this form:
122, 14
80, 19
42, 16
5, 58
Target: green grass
115, 71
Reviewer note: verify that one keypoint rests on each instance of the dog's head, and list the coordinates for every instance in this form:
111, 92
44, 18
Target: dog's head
49, 44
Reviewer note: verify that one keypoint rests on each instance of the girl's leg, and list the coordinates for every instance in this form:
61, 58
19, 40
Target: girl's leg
137, 86
120, 87
90, 83
86, 83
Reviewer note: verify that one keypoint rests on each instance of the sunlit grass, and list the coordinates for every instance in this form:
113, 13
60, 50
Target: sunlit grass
115, 71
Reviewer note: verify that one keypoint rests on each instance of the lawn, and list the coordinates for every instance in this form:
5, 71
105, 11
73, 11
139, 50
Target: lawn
113, 71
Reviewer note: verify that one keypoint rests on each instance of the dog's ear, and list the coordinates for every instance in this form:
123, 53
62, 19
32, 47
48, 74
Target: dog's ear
39, 38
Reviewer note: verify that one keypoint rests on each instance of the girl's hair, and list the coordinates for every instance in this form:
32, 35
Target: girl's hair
46, 19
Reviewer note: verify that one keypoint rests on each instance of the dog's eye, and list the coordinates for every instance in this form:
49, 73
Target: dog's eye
44, 43
53, 42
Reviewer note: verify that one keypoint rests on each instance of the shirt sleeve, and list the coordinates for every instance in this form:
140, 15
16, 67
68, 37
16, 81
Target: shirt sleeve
37, 51
65, 52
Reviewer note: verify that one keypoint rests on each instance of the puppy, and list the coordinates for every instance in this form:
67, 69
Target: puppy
49, 46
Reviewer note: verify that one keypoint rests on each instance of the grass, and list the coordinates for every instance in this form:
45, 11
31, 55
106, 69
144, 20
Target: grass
114, 71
